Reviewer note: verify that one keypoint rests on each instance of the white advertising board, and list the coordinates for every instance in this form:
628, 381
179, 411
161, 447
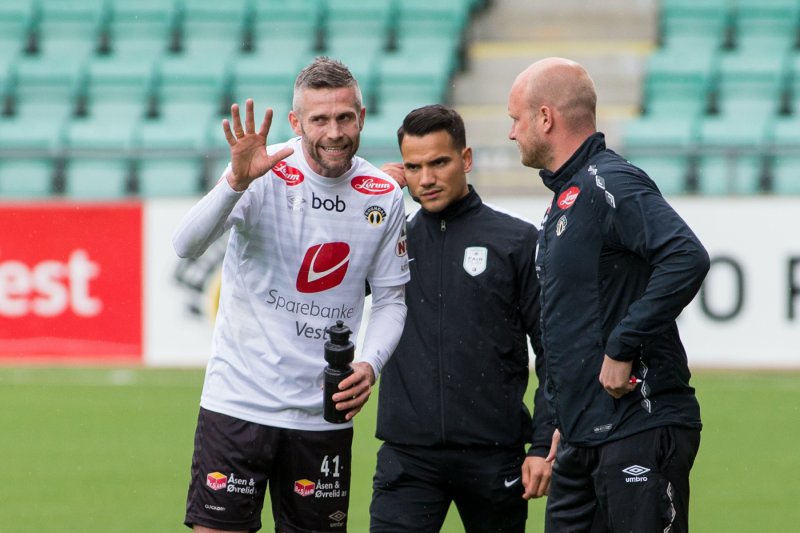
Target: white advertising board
746, 315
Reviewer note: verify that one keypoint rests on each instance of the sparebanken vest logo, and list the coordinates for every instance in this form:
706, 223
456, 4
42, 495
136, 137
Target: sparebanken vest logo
323, 267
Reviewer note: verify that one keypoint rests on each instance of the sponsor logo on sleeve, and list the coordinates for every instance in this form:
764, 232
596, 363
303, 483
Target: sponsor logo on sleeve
371, 185
402, 245
324, 267
375, 215
290, 175
568, 197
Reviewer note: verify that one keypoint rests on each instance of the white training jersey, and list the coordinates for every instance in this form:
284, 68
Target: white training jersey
300, 248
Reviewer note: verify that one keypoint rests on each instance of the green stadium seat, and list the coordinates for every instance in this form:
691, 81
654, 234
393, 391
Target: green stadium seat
670, 172
188, 84
355, 21
26, 178
677, 83
660, 131
170, 177
40, 94
695, 24
726, 164
16, 26
210, 26
277, 24
96, 178
415, 77
751, 82
146, 27
729, 173
43, 87
70, 29
785, 140
379, 136
793, 83
786, 174
416, 18
119, 86
766, 26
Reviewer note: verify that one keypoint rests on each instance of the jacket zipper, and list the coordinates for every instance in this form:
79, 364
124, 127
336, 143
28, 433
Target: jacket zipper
442, 229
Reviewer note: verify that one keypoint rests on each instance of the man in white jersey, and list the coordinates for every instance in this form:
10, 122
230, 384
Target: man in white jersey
310, 222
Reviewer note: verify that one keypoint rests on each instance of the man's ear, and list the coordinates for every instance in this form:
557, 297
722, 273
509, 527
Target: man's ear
546, 118
294, 121
466, 157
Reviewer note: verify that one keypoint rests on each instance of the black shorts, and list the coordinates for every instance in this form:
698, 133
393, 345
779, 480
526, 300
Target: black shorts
639, 483
414, 487
308, 473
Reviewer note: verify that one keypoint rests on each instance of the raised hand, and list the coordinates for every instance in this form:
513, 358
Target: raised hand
249, 157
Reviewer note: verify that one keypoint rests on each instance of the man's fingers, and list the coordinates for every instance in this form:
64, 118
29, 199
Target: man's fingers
249, 117
279, 156
226, 129
266, 124
237, 121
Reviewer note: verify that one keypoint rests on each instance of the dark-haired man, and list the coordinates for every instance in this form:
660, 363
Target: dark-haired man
451, 411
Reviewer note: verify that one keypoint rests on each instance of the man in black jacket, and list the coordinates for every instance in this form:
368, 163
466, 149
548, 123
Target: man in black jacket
616, 266
450, 408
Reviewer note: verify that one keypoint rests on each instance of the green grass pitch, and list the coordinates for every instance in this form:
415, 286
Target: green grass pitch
108, 449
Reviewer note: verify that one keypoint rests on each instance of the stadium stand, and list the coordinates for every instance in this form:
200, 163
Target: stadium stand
139, 86
110, 98
724, 77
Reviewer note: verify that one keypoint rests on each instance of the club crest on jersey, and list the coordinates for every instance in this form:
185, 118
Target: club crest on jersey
323, 267
290, 175
375, 215
561, 225
475, 258
371, 185
568, 197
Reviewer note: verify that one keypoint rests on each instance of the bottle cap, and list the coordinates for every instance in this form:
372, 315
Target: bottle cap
340, 334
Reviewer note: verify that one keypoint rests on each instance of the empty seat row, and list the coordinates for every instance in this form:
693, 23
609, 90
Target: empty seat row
107, 177
738, 155
209, 26
731, 173
713, 24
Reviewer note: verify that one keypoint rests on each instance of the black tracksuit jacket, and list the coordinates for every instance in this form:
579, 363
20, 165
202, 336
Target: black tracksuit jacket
616, 265
459, 373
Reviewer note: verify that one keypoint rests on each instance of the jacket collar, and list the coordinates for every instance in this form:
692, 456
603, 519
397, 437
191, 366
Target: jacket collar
555, 180
468, 203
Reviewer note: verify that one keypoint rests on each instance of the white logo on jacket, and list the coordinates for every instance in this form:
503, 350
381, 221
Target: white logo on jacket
475, 258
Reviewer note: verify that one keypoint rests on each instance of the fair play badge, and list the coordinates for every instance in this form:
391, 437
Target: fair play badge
475, 260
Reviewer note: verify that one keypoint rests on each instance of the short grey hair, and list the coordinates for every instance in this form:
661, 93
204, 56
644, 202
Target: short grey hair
324, 73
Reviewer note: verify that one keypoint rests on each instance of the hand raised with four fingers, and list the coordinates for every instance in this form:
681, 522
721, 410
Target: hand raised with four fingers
249, 157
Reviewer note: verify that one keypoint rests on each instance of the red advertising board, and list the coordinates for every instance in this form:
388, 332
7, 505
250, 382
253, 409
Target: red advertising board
71, 281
